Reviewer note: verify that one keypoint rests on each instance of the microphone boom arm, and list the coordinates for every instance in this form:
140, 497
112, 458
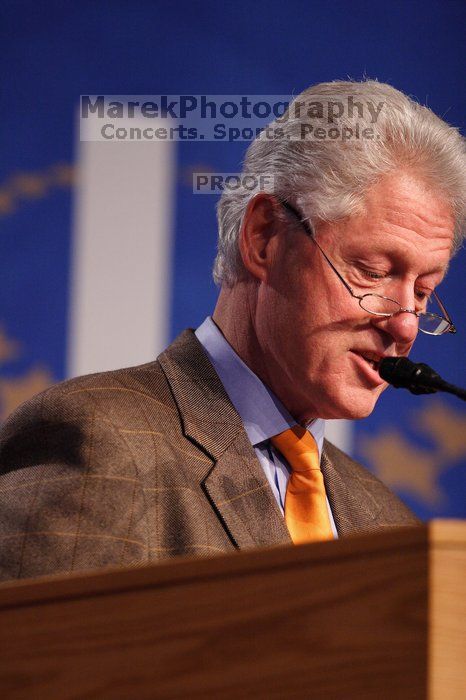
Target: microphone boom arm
418, 378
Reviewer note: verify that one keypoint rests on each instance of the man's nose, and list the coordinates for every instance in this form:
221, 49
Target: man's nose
403, 326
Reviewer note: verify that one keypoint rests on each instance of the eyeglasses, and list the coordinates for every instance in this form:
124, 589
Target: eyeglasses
378, 305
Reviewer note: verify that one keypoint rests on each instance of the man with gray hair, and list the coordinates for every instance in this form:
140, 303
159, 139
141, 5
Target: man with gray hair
219, 444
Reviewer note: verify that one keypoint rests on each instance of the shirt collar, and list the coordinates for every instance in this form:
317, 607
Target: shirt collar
263, 415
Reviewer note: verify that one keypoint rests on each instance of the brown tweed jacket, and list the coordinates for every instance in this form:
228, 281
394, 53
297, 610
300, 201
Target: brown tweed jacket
134, 465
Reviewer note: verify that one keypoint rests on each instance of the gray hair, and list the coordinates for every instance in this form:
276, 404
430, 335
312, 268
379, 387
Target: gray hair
327, 178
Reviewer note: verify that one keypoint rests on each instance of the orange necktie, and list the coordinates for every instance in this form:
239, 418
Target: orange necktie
306, 512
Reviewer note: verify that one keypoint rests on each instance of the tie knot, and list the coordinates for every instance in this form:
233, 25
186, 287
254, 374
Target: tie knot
298, 447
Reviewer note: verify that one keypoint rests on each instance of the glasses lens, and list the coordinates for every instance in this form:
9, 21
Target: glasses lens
375, 304
433, 324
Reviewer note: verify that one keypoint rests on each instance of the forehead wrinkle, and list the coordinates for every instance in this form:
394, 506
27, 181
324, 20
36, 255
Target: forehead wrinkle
407, 237
427, 225
403, 199
404, 195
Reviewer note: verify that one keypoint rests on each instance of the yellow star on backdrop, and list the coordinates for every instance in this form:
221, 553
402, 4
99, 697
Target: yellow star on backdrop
402, 466
7, 202
63, 175
9, 349
14, 391
24, 186
446, 427
30, 184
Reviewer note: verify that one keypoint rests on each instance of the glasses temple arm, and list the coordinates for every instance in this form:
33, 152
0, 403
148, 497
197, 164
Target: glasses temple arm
311, 233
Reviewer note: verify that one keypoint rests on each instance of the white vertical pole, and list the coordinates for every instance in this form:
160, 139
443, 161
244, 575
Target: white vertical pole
121, 275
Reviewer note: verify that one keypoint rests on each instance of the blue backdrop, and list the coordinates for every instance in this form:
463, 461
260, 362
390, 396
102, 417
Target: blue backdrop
54, 51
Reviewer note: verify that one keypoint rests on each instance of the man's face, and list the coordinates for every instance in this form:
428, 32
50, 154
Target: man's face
313, 335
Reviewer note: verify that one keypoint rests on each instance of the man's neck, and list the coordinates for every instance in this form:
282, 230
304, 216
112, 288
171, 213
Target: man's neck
234, 315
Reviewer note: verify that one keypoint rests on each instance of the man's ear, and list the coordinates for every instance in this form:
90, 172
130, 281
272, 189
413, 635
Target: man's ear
257, 237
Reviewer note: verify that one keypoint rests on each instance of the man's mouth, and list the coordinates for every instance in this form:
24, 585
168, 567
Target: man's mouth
372, 358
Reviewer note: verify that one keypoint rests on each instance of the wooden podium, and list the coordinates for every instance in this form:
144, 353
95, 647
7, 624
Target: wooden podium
377, 616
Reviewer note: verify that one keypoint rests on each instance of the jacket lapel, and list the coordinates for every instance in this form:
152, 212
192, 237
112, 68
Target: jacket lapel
241, 495
236, 486
353, 509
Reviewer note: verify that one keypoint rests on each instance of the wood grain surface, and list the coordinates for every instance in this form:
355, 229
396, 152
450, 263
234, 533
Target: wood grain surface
334, 620
447, 611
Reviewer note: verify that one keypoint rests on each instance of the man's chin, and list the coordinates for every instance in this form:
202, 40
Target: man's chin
351, 407
353, 404
364, 407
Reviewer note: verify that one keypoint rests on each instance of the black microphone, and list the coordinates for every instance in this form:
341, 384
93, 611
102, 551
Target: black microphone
418, 377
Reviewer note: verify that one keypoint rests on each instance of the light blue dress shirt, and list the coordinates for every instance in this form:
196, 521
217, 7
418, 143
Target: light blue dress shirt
263, 415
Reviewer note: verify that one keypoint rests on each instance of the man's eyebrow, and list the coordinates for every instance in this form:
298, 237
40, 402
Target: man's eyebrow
399, 257
439, 270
